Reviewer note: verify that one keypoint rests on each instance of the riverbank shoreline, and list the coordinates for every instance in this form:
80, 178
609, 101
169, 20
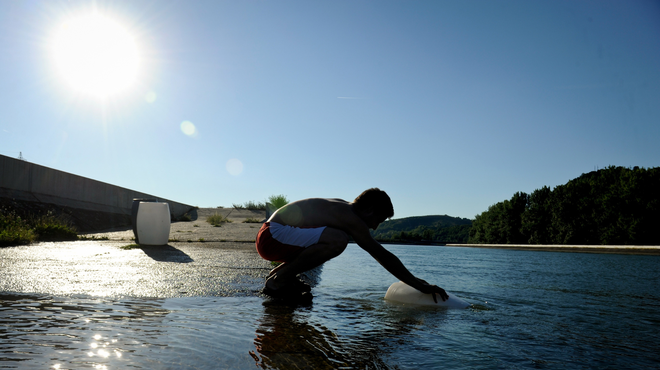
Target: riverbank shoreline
652, 250
240, 231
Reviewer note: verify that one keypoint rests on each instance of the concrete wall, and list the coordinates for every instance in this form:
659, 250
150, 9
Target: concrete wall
30, 182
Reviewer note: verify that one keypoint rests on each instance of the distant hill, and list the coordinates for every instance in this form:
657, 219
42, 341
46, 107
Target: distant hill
410, 223
438, 229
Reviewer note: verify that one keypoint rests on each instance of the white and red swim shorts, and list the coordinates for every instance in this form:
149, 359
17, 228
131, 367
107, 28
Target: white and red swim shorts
283, 243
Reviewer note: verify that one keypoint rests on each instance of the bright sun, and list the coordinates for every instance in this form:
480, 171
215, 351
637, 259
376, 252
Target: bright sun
95, 55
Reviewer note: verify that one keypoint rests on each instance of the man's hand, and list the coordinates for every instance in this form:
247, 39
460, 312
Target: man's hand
433, 290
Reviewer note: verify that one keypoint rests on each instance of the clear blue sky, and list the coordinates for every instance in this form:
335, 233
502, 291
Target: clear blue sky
449, 106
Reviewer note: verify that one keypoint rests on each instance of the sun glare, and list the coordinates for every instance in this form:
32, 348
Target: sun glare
95, 55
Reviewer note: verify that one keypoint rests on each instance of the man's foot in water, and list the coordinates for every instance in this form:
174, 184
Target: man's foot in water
288, 289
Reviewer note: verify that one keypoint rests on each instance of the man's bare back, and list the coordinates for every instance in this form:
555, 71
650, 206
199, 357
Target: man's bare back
315, 212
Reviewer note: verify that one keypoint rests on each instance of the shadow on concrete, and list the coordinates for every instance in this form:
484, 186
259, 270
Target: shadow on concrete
192, 214
166, 253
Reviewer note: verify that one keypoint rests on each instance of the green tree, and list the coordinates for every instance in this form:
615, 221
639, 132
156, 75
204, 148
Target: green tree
536, 220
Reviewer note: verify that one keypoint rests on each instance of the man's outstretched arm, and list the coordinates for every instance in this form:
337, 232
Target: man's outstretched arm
394, 265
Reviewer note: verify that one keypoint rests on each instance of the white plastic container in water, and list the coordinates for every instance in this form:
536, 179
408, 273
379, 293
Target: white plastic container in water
152, 223
403, 293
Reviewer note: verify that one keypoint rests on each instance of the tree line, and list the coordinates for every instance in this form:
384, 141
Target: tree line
612, 206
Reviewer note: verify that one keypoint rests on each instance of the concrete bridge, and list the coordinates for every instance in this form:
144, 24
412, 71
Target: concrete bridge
92, 205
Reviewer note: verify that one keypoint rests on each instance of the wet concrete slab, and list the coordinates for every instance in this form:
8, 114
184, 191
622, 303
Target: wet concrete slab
109, 269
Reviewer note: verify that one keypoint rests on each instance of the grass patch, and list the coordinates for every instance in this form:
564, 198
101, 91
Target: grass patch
217, 220
273, 203
252, 221
185, 217
93, 237
251, 205
130, 246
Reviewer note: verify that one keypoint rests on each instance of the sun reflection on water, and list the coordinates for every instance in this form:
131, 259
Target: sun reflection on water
116, 338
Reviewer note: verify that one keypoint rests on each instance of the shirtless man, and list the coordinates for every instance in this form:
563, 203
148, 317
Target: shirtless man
306, 233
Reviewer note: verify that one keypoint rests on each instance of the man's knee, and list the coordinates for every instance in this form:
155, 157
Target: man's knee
335, 240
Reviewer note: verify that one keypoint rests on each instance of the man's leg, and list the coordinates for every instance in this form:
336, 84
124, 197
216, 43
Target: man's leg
331, 244
276, 269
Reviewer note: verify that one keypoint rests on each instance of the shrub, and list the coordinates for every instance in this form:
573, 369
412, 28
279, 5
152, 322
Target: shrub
52, 228
278, 201
217, 220
14, 230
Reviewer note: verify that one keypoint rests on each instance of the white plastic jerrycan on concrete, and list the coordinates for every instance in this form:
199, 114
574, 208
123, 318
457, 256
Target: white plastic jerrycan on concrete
403, 293
151, 222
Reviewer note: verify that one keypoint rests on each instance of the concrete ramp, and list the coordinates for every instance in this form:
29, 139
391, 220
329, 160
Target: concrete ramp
93, 205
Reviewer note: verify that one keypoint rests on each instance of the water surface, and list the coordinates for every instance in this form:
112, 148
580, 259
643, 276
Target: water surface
545, 310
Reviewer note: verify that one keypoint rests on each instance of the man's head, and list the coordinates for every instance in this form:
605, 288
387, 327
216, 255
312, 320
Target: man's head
374, 203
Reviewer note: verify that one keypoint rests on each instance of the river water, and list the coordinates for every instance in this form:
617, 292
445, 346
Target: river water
531, 310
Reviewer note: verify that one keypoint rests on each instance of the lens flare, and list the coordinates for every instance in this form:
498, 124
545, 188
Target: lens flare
188, 128
234, 167
150, 97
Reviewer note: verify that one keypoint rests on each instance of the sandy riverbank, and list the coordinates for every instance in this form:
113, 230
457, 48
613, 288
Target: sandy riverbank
201, 231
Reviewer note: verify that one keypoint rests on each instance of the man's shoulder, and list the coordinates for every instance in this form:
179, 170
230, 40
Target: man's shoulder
324, 202
338, 206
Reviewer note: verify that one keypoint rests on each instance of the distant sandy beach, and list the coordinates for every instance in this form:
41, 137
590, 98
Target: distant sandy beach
237, 231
